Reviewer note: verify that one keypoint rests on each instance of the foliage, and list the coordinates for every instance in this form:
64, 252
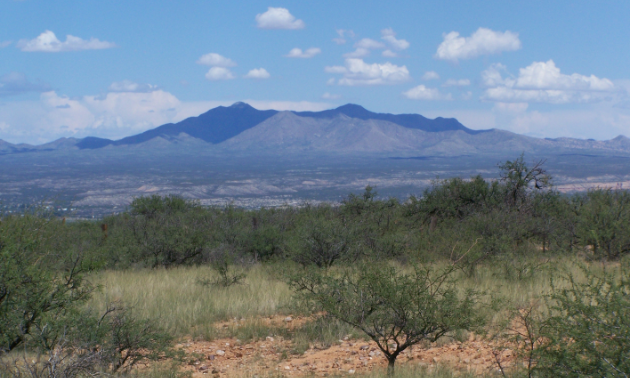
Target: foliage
588, 331
41, 276
603, 223
396, 310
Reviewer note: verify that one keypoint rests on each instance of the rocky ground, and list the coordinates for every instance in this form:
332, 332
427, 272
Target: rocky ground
229, 357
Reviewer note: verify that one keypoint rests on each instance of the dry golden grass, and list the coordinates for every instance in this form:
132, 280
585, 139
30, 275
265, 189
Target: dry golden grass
183, 305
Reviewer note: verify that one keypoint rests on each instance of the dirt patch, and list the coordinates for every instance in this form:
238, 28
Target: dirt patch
229, 357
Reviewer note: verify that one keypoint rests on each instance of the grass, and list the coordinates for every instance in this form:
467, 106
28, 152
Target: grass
186, 307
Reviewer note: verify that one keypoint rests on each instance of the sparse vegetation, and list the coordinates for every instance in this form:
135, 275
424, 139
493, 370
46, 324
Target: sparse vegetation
102, 297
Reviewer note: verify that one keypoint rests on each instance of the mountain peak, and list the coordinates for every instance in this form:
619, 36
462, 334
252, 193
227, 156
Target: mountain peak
241, 105
351, 107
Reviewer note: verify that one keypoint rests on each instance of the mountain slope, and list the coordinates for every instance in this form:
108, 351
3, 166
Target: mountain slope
214, 126
289, 132
222, 123
411, 121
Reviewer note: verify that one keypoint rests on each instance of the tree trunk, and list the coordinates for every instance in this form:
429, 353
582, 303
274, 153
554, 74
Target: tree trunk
390, 366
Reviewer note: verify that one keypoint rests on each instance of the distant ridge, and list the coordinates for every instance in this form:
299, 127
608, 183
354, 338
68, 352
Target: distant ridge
222, 123
349, 129
411, 121
214, 126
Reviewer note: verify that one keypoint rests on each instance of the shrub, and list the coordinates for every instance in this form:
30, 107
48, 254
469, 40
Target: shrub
396, 310
588, 331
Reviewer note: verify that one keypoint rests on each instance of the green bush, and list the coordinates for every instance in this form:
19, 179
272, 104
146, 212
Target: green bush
588, 331
396, 310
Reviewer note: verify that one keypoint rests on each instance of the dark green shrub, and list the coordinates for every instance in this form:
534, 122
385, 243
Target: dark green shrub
38, 280
603, 223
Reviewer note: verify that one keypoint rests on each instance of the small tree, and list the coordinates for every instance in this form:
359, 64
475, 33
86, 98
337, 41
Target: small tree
396, 310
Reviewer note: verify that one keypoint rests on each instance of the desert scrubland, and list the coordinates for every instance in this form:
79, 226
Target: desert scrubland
505, 277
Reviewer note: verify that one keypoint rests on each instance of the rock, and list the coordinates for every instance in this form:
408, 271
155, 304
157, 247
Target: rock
436, 360
365, 347
287, 368
238, 355
220, 352
203, 368
211, 357
269, 338
215, 371
351, 371
288, 319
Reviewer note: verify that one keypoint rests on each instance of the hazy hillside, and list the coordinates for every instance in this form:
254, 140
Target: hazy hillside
348, 129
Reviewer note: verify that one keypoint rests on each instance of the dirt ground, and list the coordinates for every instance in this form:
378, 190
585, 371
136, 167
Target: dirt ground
229, 357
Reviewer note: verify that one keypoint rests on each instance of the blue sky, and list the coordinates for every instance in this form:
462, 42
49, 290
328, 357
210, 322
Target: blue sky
540, 68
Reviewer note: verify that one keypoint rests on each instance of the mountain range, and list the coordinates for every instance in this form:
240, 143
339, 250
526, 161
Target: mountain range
348, 129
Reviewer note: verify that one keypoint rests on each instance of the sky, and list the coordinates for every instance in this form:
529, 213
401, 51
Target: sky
113, 68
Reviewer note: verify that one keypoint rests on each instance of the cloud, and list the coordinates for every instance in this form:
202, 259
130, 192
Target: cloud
48, 42
278, 18
130, 86
482, 42
421, 92
16, 83
358, 53
543, 82
298, 53
389, 36
363, 47
328, 96
342, 36
430, 75
389, 54
357, 72
5, 44
113, 115
216, 60
456, 83
219, 73
257, 73
370, 44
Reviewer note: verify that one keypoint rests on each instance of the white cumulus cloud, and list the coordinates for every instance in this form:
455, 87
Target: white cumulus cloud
456, 83
298, 53
219, 73
358, 72
257, 73
543, 82
430, 75
130, 86
5, 44
482, 42
278, 18
48, 42
389, 54
422, 92
389, 36
358, 53
363, 47
216, 60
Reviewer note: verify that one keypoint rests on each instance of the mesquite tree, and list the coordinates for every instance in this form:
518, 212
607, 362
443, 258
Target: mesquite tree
395, 309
